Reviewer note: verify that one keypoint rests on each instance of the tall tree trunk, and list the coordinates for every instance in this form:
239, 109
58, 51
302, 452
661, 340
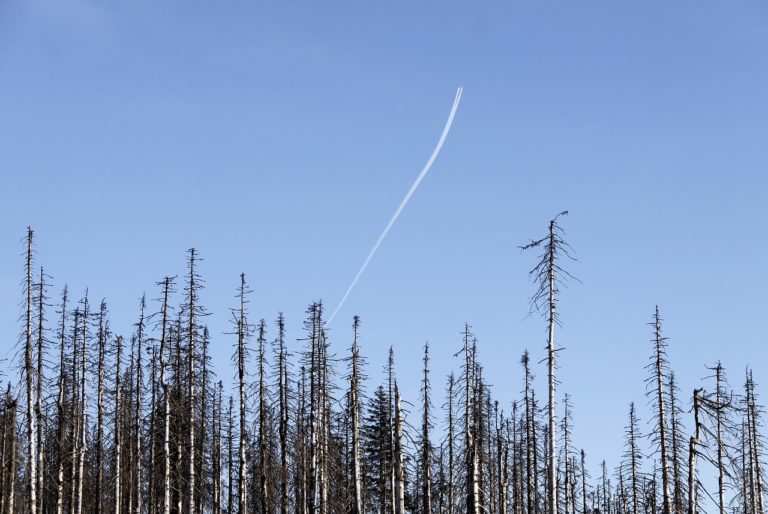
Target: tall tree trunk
692, 454
399, 464
502, 458
758, 459
547, 275
354, 392
75, 417
201, 493
83, 409
426, 446
719, 406
451, 463
566, 429
9, 462
192, 385
230, 463
633, 455
102, 346
152, 473
29, 374
217, 476
167, 285
242, 334
263, 456
551, 373
61, 421
754, 447
391, 429
530, 472
325, 418
137, 414
118, 430
675, 433
659, 342
282, 369
473, 487
583, 482
39, 388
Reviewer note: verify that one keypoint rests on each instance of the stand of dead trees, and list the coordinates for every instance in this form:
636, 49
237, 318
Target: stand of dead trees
92, 421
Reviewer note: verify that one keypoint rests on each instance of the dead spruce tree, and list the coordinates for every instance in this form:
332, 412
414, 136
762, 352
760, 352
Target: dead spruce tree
101, 340
137, 478
61, 417
632, 459
40, 288
29, 375
677, 448
193, 311
83, 422
450, 443
548, 275
263, 480
10, 453
118, 428
283, 408
399, 455
754, 446
527, 434
425, 443
164, 351
717, 406
471, 457
354, 416
693, 452
243, 331
658, 368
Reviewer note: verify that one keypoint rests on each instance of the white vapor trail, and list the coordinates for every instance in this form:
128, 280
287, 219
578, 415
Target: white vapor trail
408, 195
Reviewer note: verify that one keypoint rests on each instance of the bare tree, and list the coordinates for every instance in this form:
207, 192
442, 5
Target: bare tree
167, 285
29, 374
633, 457
399, 464
658, 367
548, 274
426, 445
695, 441
101, 339
354, 404
118, 429
282, 388
61, 416
241, 355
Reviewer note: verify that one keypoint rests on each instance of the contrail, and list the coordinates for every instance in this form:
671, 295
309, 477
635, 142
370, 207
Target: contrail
408, 195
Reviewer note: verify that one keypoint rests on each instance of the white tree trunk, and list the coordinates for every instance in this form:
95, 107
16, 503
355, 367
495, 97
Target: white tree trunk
662, 416
118, 429
84, 410
60, 407
242, 331
552, 441
166, 402
32, 478
398, 457
357, 505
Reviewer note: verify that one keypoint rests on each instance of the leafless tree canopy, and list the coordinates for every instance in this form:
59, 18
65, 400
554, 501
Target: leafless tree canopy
95, 421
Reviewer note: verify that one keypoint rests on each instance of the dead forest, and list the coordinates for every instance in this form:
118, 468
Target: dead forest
98, 421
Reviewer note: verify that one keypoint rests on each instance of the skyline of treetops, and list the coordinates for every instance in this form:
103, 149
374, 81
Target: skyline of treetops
99, 418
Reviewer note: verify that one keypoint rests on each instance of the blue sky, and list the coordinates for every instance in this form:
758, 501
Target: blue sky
279, 137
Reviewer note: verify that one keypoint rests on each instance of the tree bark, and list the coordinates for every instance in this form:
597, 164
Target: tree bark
354, 391
29, 373
399, 465
118, 430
